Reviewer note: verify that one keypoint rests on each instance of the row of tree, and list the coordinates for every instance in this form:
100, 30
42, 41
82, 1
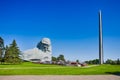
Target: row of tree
108, 61
60, 57
95, 61
9, 54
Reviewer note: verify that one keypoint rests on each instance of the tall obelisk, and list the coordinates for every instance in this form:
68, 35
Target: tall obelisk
100, 39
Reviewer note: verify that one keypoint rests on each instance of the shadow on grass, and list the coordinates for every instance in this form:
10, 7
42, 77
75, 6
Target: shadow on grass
114, 73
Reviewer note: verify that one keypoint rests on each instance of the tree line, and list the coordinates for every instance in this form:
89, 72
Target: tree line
94, 61
9, 54
60, 57
114, 62
108, 61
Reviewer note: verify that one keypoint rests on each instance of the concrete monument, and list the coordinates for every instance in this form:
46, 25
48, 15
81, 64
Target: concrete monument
41, 53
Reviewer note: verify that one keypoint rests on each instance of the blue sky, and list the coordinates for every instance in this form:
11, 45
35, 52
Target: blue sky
72, 26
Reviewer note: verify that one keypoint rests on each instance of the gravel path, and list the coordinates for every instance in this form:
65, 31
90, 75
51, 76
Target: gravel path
61, 77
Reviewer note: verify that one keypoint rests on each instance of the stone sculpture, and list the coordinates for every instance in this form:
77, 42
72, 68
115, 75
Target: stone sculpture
41, 53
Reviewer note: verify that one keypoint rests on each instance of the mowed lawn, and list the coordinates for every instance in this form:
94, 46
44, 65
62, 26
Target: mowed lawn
28, 68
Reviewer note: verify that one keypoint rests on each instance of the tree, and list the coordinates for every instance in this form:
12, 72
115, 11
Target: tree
61, 57
12, 53
54, 58
118, 61
1, 55
109, 61
1, 49
7, 56
95, 61
77, 61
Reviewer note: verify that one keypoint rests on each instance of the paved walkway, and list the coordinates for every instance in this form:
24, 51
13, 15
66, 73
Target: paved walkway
61, 77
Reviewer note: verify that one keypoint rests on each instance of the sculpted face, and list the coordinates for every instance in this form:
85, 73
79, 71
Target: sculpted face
44, 45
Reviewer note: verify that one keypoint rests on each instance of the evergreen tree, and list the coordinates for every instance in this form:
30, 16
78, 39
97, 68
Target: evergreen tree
77, 61
12, 53
6, 56
1, 49
0, 55
118, 61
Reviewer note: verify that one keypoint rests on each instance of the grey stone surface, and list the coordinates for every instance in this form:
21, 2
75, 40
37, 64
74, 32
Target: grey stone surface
41, 53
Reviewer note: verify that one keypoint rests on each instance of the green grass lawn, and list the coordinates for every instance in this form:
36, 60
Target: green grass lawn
28, 68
